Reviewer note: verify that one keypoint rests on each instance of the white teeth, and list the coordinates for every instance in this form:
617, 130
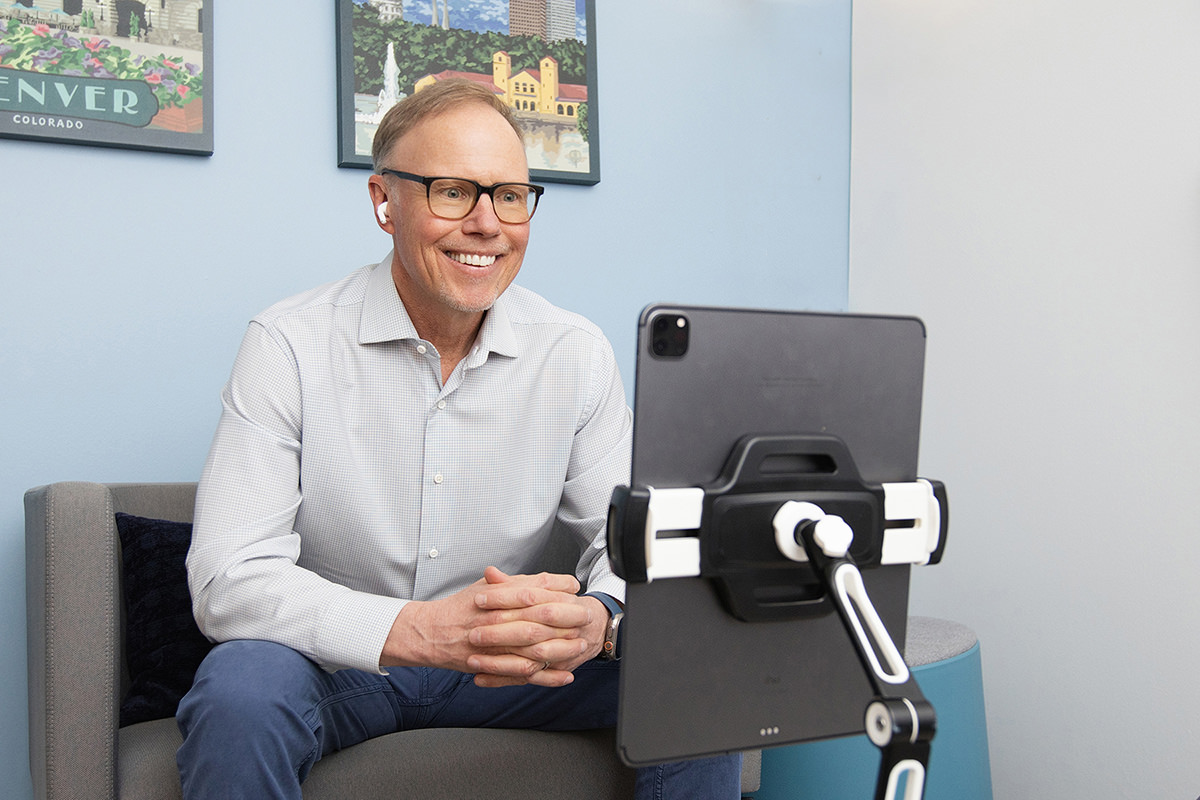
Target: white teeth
473, 259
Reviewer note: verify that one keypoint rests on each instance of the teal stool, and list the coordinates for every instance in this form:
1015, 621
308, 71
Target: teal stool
944, 657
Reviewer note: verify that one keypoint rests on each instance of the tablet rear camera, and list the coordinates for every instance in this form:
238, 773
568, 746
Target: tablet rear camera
669, 335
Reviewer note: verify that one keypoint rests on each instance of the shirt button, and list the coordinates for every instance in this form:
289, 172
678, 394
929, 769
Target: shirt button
438, 478
433, 553
441, 405
422, 349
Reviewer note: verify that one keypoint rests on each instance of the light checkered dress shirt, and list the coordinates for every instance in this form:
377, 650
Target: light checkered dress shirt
345, 479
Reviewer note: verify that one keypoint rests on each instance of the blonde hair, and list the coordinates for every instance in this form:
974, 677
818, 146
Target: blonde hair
431, 101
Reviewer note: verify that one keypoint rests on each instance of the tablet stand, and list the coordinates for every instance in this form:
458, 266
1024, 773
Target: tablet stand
822, 520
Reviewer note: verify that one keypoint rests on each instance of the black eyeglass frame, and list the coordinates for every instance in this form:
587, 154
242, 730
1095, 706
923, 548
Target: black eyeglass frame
480, 191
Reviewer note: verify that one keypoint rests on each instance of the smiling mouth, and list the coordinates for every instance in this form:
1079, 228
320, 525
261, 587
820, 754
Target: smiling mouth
473, 259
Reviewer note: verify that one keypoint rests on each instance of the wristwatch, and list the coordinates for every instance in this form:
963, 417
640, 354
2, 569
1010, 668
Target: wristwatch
611, 651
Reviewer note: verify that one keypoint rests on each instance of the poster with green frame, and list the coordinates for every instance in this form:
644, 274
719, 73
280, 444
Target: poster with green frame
113, 73
539, 56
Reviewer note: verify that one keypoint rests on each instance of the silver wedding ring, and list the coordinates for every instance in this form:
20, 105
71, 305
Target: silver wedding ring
545, 665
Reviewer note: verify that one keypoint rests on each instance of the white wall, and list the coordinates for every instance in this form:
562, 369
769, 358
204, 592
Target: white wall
1026, 176
127, 277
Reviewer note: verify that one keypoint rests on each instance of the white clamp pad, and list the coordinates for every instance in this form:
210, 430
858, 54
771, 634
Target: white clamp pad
916, 502
673, 510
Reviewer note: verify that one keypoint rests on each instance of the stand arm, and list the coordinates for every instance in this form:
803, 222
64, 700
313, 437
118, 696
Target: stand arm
899, 721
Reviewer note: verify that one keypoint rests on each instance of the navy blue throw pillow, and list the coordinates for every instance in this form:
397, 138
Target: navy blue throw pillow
163, 646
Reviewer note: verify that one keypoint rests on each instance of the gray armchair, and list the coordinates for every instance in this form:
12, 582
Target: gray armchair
78, 675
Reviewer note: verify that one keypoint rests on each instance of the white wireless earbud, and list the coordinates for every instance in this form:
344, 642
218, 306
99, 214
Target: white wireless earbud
381, 212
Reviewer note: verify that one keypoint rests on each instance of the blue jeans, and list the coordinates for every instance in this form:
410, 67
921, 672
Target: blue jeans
259, 715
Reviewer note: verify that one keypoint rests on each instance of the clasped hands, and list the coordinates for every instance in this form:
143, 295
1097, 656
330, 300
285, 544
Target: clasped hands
505, 629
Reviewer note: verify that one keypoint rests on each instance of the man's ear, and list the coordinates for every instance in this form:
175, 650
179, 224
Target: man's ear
379, 200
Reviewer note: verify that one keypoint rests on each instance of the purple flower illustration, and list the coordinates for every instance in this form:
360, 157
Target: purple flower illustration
46, 56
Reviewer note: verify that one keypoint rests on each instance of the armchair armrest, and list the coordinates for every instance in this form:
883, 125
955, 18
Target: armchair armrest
74, 627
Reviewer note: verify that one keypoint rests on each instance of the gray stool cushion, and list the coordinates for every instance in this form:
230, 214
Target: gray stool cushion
930, 639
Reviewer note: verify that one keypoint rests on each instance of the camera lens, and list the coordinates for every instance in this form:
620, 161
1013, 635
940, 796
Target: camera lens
669, 337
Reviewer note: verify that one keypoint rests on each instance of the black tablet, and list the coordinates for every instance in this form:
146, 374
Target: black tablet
697, 680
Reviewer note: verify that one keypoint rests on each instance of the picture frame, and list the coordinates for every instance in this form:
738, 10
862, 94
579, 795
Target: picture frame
110, 73
544, 72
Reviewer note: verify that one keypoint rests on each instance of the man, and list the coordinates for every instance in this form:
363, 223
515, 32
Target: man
395, 452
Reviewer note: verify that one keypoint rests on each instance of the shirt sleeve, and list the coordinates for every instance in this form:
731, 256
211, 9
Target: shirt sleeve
600, 460
242, 564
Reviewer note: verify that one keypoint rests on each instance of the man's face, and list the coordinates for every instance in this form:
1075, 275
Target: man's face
450, 271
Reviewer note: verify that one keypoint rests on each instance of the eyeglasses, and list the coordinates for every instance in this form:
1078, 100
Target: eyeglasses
455, 198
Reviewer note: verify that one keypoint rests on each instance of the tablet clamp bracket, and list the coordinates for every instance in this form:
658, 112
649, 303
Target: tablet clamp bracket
823, 522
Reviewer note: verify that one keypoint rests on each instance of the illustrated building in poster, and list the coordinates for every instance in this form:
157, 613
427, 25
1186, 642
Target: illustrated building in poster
551, 20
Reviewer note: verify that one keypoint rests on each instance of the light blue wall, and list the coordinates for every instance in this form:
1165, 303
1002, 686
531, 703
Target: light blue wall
127, 277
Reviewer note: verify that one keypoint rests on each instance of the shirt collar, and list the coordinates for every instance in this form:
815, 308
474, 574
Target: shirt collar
496, 335
384, 318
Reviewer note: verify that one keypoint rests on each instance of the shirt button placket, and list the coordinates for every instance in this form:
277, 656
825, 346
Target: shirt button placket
434, 507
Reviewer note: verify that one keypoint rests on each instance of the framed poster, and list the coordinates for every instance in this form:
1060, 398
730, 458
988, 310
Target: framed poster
114, 73
539, 56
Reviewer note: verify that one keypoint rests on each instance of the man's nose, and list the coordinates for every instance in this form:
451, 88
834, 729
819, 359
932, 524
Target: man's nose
482, 218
